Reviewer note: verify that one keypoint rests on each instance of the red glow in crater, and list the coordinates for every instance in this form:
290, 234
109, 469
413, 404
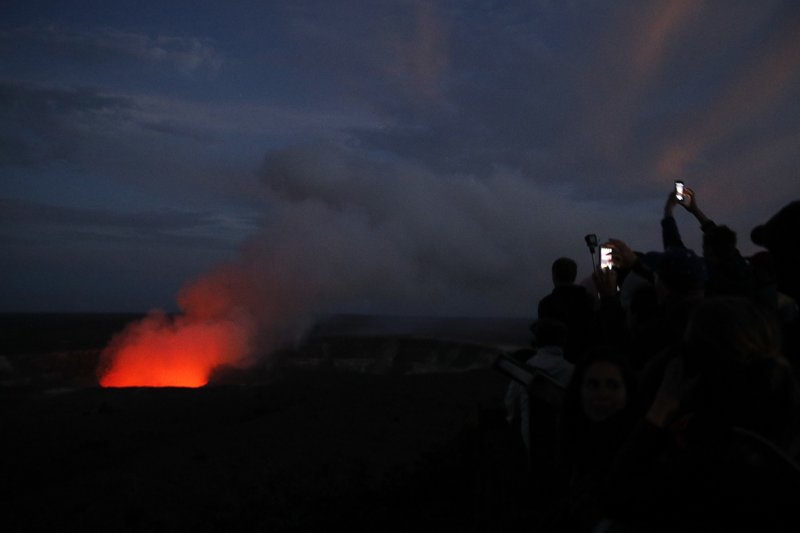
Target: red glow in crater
162, 352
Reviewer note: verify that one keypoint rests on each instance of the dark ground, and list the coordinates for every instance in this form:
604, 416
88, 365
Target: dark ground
307, 447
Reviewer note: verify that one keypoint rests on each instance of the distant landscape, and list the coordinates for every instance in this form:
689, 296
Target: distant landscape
372, 422
63, 349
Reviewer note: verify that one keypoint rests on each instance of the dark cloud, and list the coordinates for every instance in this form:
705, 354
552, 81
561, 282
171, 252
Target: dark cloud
138, 142
58, 257
33, 221
510, 97
174, 128
626, 102
16, 151
747, 104
195, 152
42, 123
56, 115
30, 101
107, 45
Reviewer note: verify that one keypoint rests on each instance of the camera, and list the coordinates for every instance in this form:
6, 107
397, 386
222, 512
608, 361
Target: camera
591, 241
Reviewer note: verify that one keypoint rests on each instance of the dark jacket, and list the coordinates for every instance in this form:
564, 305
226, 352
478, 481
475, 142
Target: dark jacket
701, 475
572, 305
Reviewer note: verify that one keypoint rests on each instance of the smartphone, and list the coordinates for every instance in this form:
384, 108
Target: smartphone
591, 241
606, 261
679, 190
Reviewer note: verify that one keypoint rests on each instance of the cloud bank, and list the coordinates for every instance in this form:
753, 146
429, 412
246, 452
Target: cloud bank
408, 156
188, 55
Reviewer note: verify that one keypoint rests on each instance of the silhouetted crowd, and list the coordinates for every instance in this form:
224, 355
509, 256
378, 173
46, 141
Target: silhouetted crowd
680, 385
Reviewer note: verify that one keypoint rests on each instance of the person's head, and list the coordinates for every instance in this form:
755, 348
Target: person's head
719, 244
781, 237
603, 391
601, 385
679, 272
725, 332
550, 332
779, 233
734, 347
565, 270
643, 305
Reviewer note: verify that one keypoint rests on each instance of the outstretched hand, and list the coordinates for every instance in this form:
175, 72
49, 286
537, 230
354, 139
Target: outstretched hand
621, 254
605, 280
689, 203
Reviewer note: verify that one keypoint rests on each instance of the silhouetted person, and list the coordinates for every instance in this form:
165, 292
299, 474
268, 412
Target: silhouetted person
713, 452
678, 279
550, 337
781, 236
569, 303
597, 416
728, 272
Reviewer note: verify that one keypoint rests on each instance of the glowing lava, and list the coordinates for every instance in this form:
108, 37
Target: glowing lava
163, 352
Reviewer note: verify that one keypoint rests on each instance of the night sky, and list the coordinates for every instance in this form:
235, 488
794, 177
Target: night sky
376, 156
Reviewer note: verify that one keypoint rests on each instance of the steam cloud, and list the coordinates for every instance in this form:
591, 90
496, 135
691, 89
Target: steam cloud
347, 232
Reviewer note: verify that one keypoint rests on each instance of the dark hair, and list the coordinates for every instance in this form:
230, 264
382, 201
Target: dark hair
681, 270
719, 241
565, 270
735, 347
779, 232
728, 330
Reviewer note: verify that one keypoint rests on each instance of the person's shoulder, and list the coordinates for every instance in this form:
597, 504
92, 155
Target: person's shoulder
550, 296
576, 293
569, 290
548, 300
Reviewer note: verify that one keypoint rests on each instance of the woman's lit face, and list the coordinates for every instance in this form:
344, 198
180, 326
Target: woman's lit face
602, 391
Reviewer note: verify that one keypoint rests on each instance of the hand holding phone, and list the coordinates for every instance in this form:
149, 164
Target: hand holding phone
605, 280
621, 253
684, 195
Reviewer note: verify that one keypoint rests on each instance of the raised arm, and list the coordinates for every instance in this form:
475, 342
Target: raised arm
690, 204
670, 235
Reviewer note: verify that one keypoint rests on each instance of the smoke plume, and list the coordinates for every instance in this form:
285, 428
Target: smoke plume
346, 232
